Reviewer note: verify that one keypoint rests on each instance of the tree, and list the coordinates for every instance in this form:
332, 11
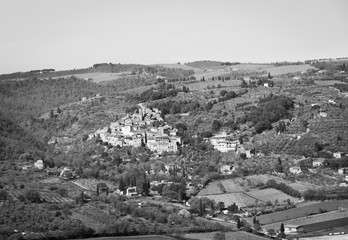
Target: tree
282, 229
109, 130
233, 208
216, 125
121, 185
3, 194
51, 114
239, 224
223, 93
58, 110
220, 206
33, 196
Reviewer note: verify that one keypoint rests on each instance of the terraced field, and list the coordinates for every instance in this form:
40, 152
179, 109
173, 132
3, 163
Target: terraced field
46, 196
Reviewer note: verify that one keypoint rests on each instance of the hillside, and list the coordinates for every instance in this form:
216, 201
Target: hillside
14, 141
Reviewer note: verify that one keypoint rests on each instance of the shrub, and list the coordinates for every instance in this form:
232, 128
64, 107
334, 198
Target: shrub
33, 196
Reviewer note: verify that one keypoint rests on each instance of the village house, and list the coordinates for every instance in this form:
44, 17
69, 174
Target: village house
222, 144
131, 191
343, 170
338, 154
39, 164
295, 170
318, 162
226, 169
291, 229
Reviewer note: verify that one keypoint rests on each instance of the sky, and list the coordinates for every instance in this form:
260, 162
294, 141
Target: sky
68, 34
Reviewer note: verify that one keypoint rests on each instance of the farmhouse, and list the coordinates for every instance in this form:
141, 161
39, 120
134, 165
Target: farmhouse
343, 170
131, 191
295, 170
226, 169
338, 154
291, 229
222, 144
39, 164
318, 162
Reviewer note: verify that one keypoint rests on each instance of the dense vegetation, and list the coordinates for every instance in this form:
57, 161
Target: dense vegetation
14, 141
271, 109
22, 100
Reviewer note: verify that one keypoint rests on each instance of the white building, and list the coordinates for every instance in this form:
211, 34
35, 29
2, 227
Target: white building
295, 170
39, 164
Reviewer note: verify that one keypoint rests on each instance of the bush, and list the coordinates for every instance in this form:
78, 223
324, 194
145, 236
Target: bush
33, 196
3, 195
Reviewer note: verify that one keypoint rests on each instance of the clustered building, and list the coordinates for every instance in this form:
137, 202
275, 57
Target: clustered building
137, 130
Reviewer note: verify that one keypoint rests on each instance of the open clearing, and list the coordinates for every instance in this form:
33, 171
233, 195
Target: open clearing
97, 76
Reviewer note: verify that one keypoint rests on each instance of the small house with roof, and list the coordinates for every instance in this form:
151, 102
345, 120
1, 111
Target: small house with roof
295, 170
318, 162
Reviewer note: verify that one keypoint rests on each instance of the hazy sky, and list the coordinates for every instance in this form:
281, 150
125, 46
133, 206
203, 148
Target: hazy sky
66, 34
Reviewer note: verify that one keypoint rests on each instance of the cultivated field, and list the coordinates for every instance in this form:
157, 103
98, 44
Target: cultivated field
301, 211
328, 82
288, 69
312, 219
97, 76
46, 196
228, 235
211, 189
200, 86
271, 194
240, 199
230, 186
231, 191
91, 184
254, 180
252, 67
178, 66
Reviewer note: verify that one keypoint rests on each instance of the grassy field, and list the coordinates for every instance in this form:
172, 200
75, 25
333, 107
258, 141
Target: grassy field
288, 69
97, 76
328, 82
312, 219
211, 189
301, 211
200, 86
143, 237
231, 186
271, 194
252, 67
240, 199
178, 66
229, 236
